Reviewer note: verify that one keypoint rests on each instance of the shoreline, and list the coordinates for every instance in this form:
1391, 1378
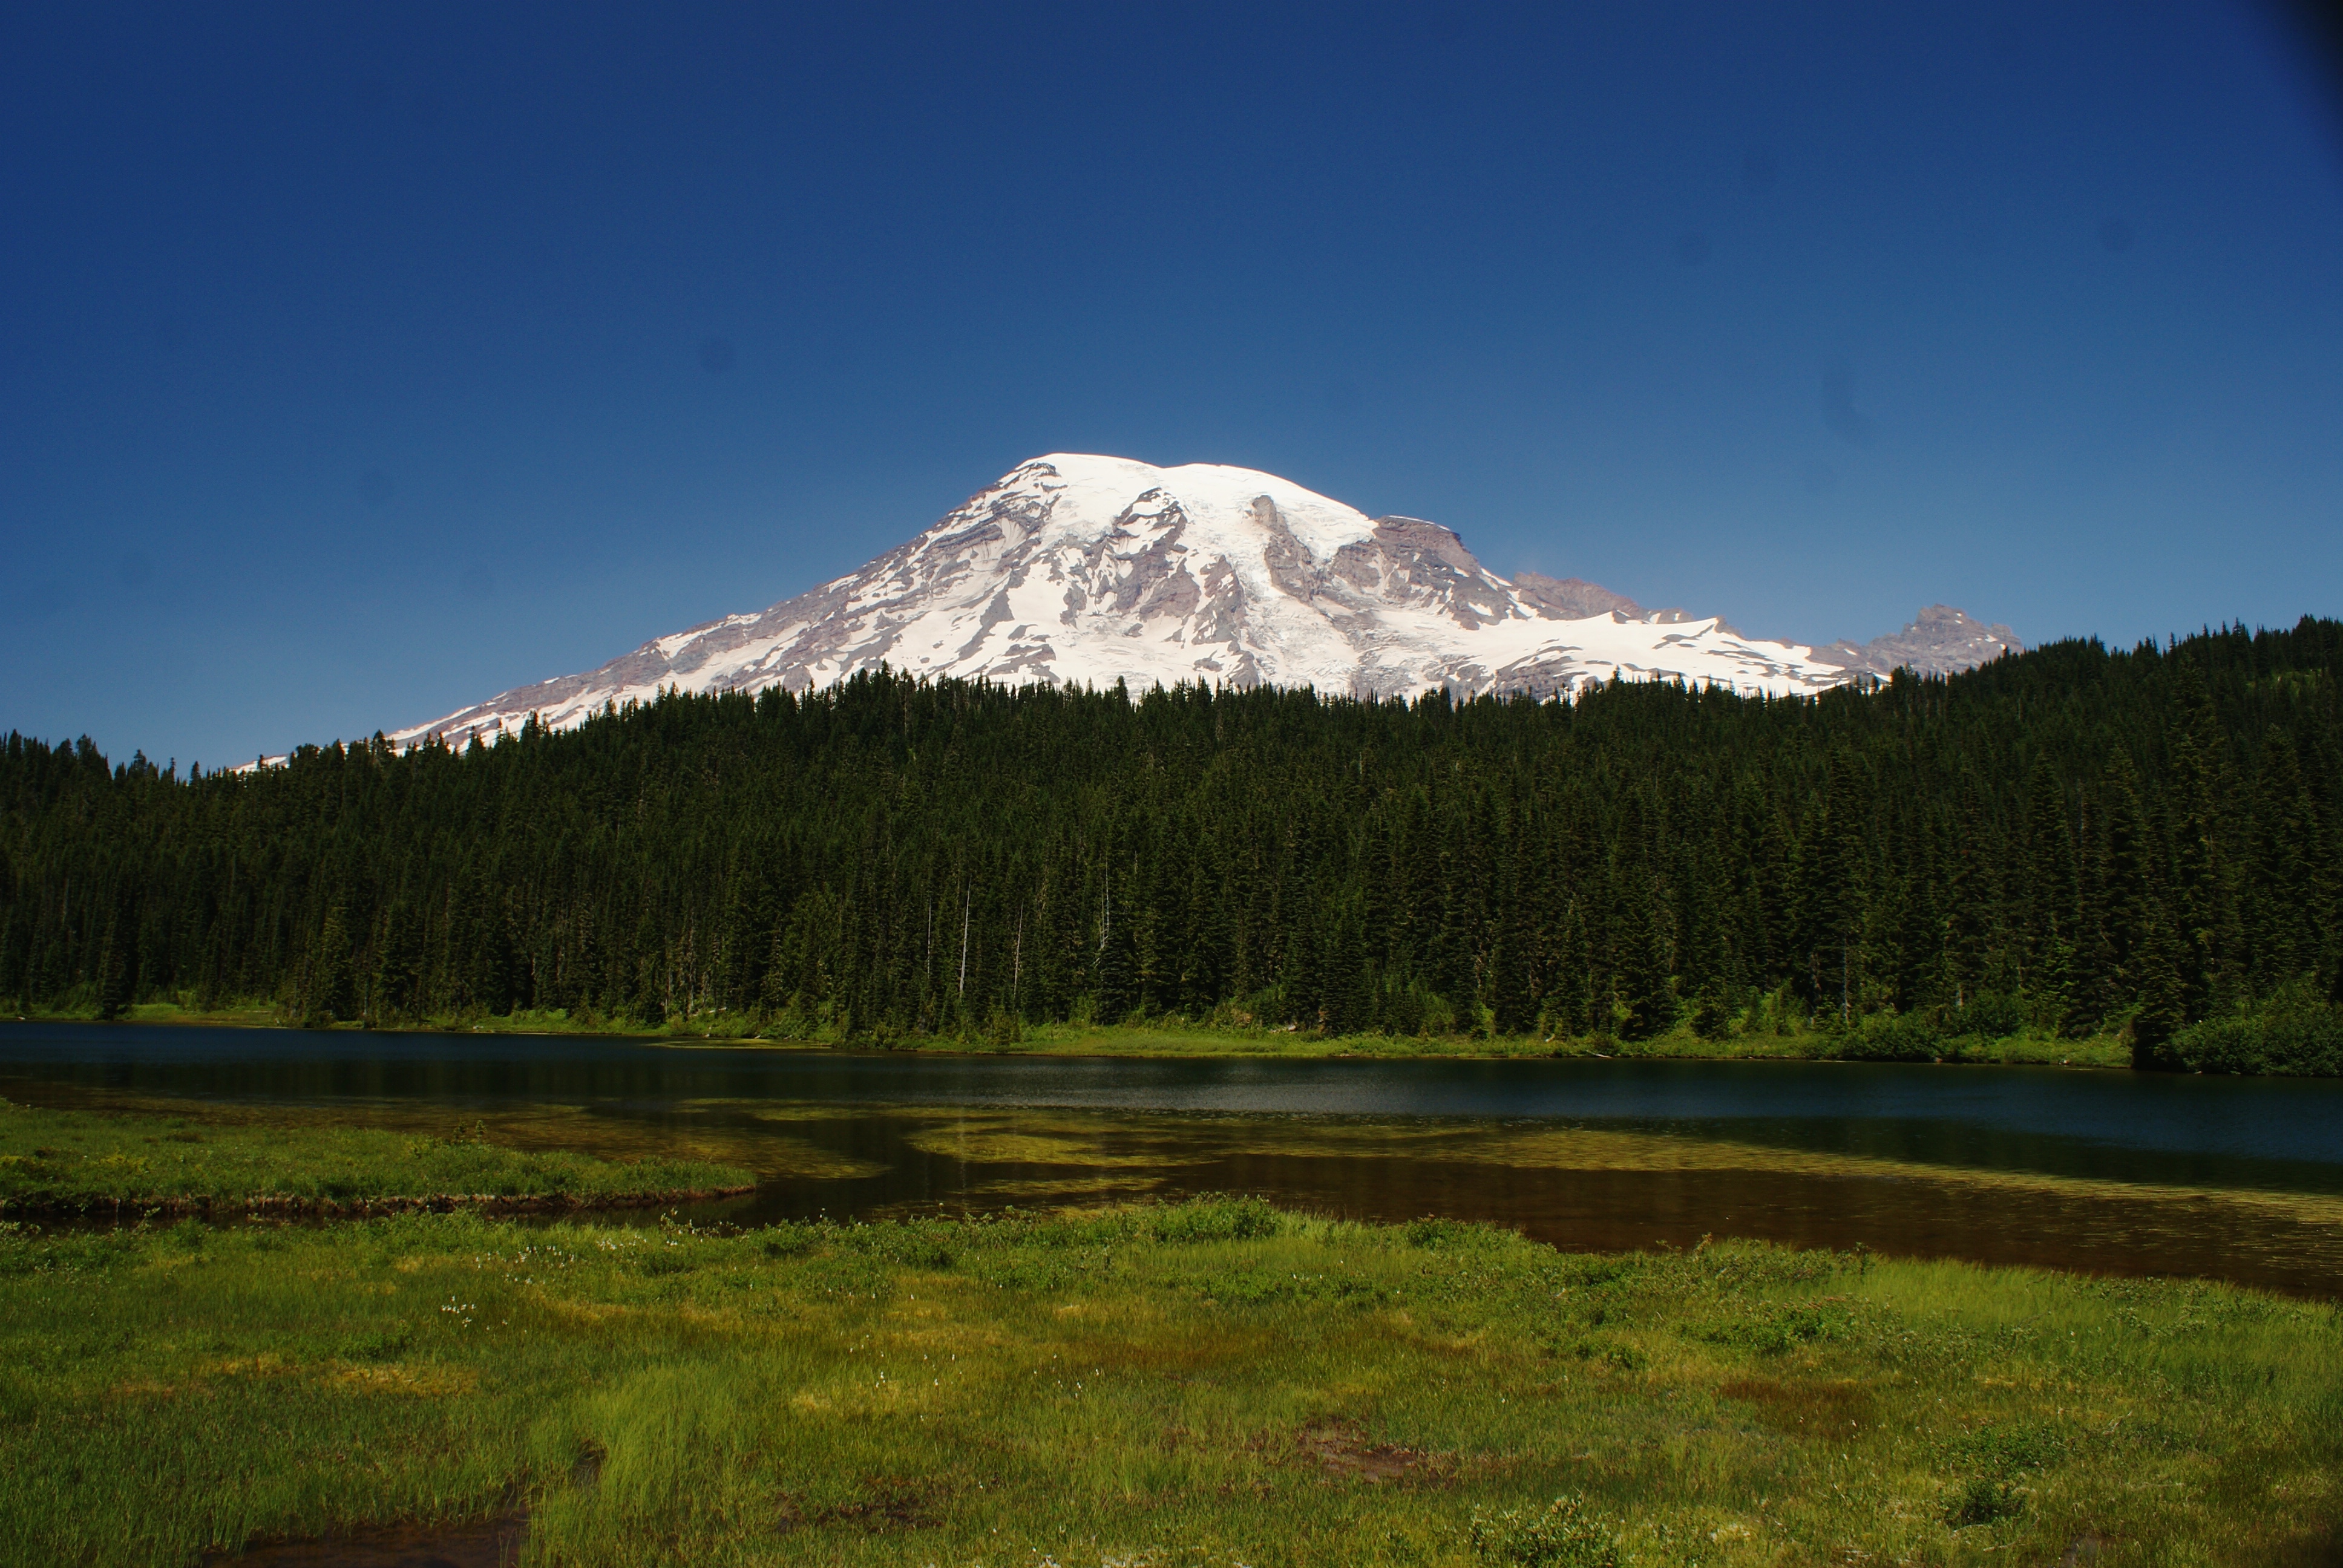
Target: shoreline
267, 1204
1173, 1041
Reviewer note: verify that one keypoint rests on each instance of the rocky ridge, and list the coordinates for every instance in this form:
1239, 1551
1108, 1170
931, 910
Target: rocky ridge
1080, 569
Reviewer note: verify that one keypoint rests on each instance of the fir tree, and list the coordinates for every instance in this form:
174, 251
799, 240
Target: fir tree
332, 990
826, 856
114, 986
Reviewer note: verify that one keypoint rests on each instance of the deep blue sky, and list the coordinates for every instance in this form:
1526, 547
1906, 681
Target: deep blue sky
358, 362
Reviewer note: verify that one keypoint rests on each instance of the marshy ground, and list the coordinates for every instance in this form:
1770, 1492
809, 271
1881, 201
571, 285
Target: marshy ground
1210, 1382
223, 1161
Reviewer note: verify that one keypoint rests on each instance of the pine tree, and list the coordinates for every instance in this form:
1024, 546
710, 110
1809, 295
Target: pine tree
2285, 947
1505, 990
1348, 985
2161, 1012
113, 977
332, 992
398, 955
2131, 890
648, 996
1841, 897
2053, 895
2199, 875
1204, 958
1563, 866
1644, 1004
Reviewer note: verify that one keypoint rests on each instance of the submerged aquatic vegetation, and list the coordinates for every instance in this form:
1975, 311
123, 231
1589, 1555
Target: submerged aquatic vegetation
1214, 1380
67, 1162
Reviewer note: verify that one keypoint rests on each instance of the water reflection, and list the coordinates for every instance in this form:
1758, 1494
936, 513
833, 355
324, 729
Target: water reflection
2096, 1170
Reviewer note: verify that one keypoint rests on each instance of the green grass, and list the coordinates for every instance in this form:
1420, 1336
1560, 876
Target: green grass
1177, 1039
1162, 1037
1212, 1383
55, 1161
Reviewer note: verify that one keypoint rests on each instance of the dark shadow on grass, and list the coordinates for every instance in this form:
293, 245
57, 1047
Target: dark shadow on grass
495, 1541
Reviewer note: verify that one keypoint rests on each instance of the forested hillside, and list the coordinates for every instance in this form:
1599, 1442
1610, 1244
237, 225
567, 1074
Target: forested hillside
2069, 840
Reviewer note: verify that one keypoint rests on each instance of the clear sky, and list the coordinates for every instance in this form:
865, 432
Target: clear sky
358, 362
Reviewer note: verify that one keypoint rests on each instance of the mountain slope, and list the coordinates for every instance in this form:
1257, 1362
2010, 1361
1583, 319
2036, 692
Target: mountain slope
1940, 642
1079, 568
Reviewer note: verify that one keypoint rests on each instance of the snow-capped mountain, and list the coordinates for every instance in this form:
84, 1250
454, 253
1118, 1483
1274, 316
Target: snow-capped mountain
1940, 642
1075, 568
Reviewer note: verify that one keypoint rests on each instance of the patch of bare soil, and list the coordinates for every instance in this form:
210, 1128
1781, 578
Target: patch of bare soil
1341, 1451
495, 1541
492, 1542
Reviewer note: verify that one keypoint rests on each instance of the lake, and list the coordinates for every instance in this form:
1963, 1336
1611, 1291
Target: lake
2107, 1171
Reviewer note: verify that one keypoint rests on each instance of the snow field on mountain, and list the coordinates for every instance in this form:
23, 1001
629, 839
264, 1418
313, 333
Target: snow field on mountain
1076, 568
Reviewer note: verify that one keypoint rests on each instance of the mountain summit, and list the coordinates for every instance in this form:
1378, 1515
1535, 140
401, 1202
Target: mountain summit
1075, 568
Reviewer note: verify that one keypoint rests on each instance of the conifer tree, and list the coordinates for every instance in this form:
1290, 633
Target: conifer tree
815, 859
397, 963
2160, 1011
2200, 894
1642, 1002
2287, 834
114, 978
1348, 986
332, 994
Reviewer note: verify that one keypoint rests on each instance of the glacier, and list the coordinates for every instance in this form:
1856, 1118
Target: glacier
1084, 569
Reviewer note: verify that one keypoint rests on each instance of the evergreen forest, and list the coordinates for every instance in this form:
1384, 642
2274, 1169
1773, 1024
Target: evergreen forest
2073, 840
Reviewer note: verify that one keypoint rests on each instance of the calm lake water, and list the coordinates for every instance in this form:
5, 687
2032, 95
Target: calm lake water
2091, 1169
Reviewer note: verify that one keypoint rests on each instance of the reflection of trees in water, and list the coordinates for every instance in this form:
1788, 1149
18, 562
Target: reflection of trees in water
1942, 1187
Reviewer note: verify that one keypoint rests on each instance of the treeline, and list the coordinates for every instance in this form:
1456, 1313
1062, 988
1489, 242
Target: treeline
2071, 840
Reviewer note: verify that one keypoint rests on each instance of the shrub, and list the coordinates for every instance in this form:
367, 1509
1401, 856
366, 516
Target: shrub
1404, 1009
2302, 1041
1433, 1233
1891, 1036
377, 1345
1996, 1457
1216, 1220
786, 1240
2009, 1450
1711, 1020
1983, 1500
908, 1244
1989, 1013
1775, 1329
1613, 1353
1567, 1534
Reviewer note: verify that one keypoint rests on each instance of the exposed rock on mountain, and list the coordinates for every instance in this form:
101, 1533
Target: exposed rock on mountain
1099, 569
1572, 598
1942, 641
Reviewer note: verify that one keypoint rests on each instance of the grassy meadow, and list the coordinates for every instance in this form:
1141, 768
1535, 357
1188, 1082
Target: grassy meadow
58, 1161
1210, 1382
